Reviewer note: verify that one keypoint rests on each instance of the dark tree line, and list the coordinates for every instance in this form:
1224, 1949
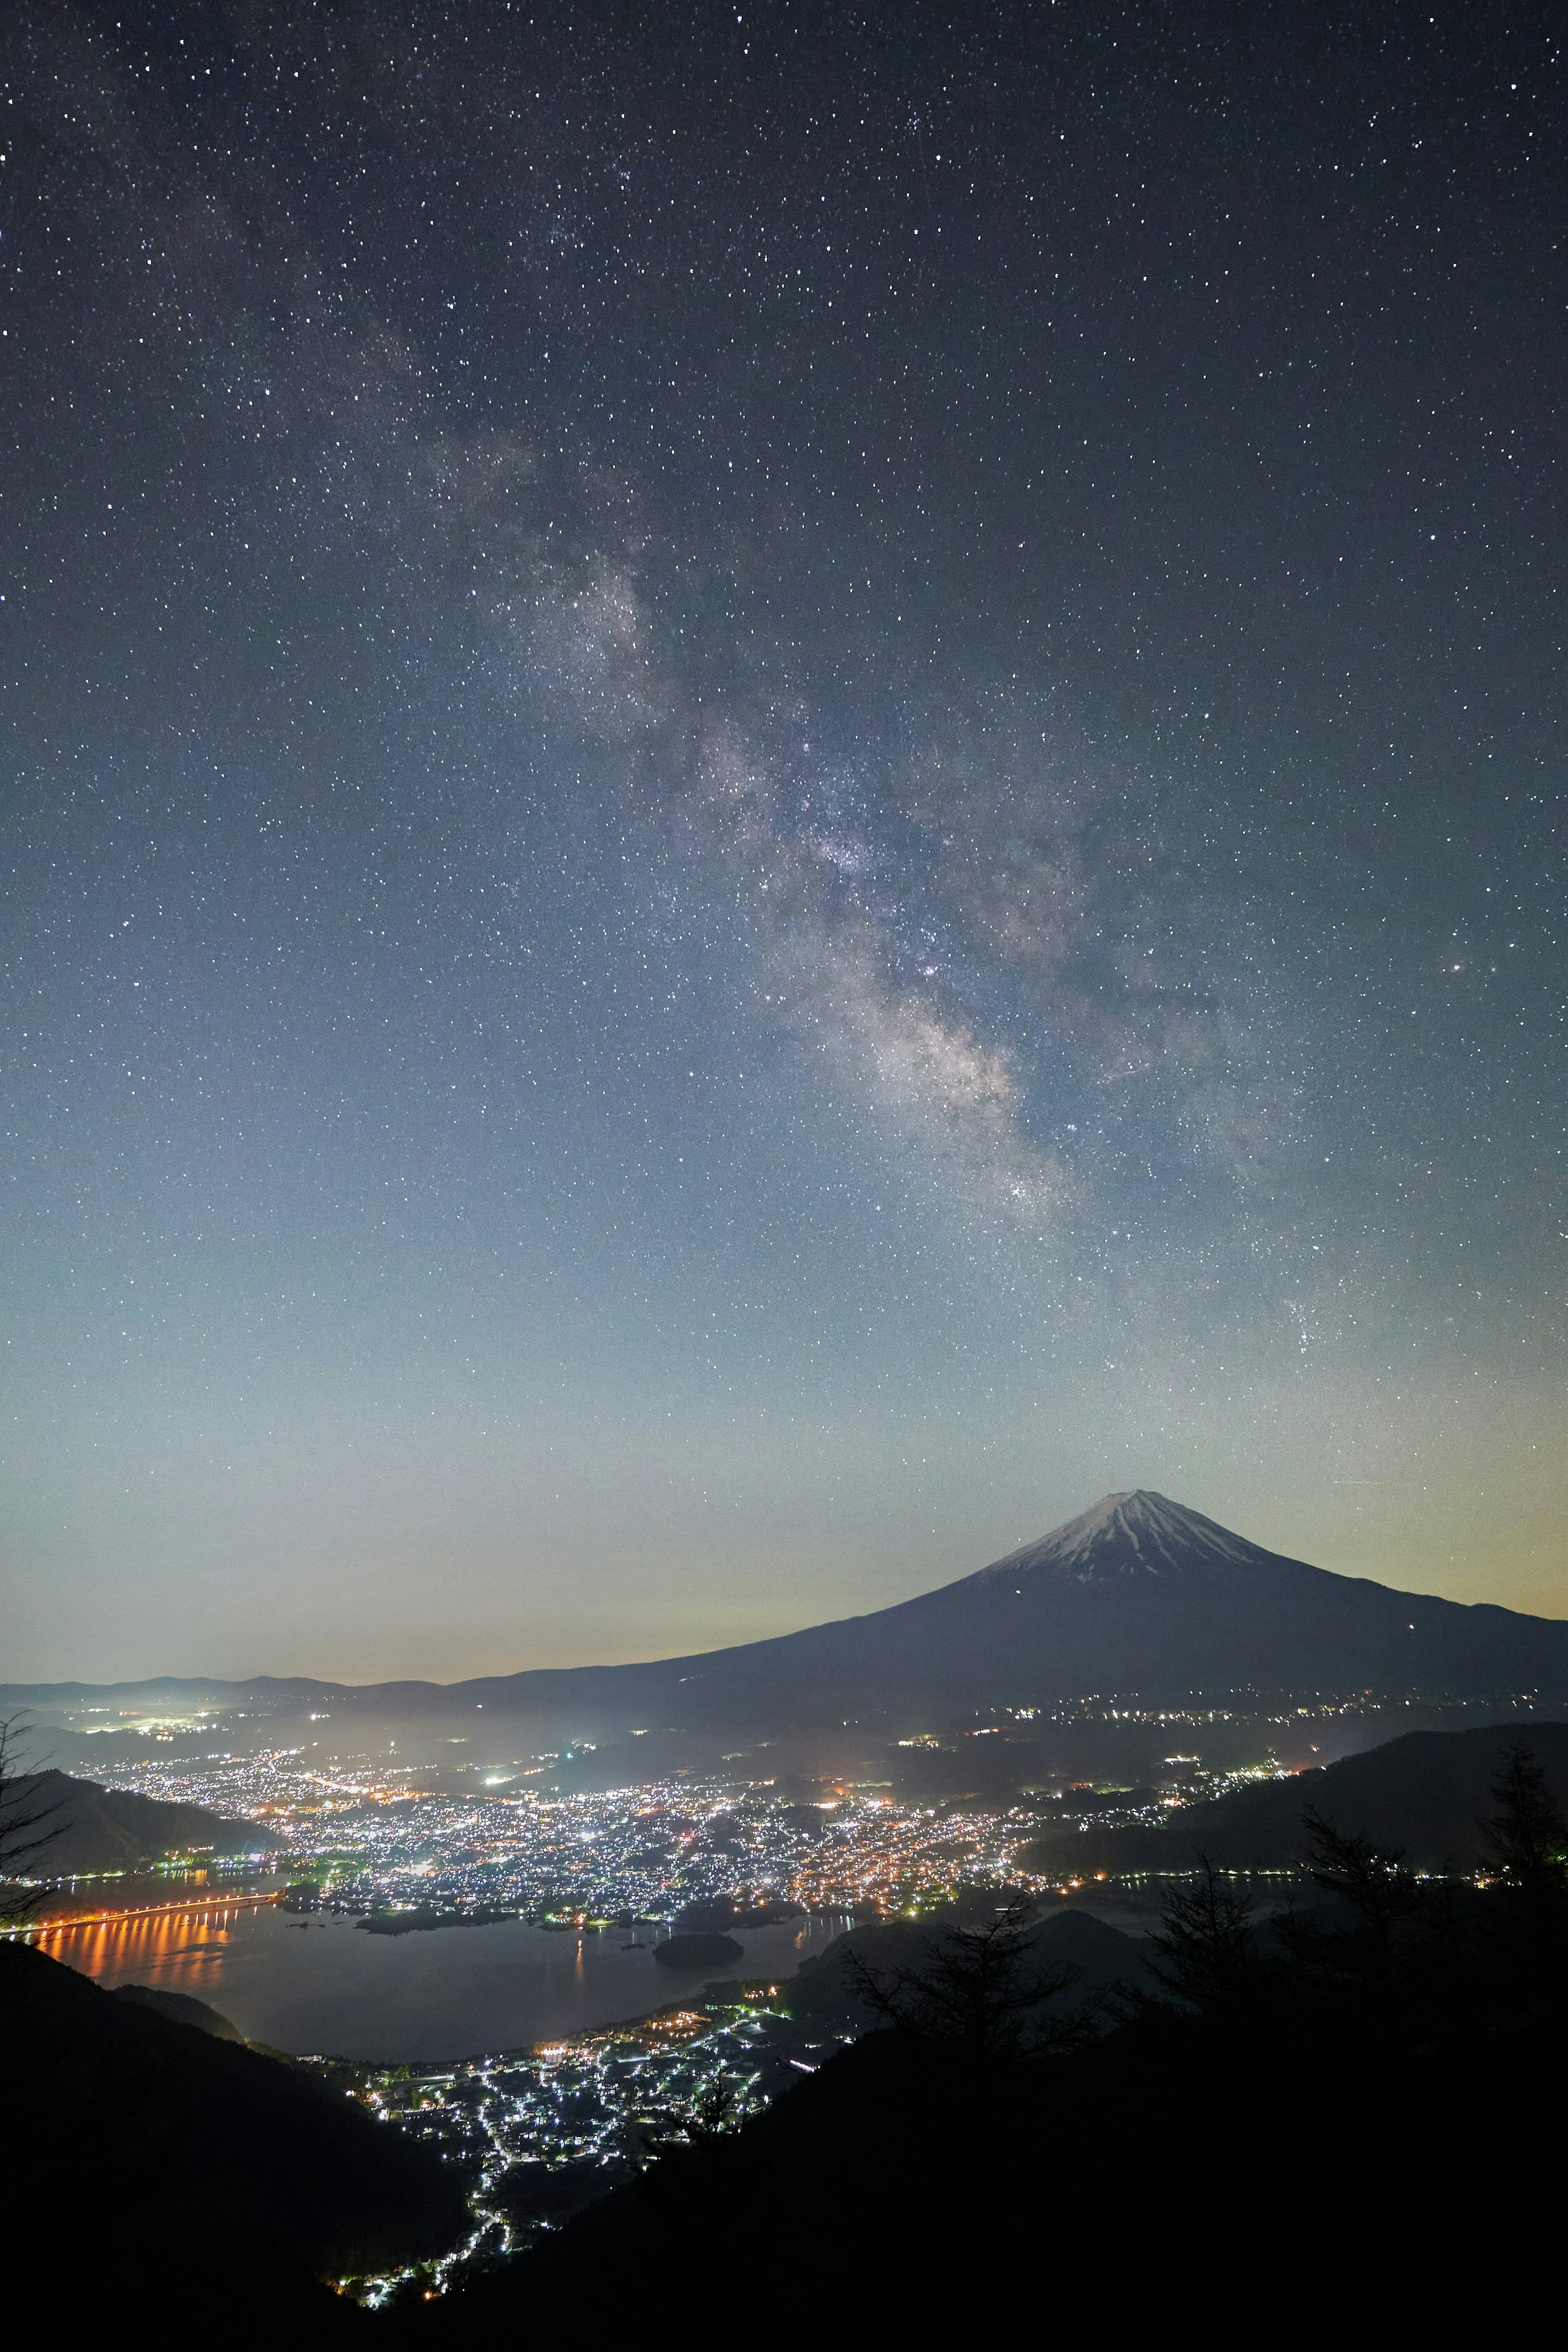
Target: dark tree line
28, 1826
1381, 1950
1408, 1956
976, 1989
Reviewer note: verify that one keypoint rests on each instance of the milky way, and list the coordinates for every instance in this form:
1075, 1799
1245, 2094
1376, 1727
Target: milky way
777, 788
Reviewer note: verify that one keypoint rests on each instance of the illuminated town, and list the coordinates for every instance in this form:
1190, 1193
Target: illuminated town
537, 2134
380, 1839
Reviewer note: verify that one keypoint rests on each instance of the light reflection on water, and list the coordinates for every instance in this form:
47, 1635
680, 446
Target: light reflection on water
153, 1948
320, 1984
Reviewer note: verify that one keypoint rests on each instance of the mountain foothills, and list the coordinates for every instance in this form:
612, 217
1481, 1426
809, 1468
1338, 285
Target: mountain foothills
1138, 1595
224, 2167
90, 1828
1424, 1796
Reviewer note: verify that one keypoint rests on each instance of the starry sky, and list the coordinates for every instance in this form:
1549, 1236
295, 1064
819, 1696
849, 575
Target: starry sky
780, 784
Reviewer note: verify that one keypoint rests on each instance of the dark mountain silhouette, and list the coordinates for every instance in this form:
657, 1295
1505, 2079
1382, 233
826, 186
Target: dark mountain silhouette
822, 1992
183, 2008
177, 2153
1427, 1793
112, 1828
1138, 1596
1168, 2166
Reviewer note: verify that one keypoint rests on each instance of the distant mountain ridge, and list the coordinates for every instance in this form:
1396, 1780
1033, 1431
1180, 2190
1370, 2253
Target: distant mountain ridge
1429, 1792
161, 2149
1138, 1596
98, 1829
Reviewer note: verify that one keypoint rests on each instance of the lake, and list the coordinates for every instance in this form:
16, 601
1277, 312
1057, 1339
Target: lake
322, 1986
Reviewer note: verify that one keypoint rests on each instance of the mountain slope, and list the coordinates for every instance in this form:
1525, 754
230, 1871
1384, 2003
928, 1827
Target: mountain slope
1429, 1792
182, 2008
1139, 1596
113, 1828
822, 1994
1100, 2184
191, 2137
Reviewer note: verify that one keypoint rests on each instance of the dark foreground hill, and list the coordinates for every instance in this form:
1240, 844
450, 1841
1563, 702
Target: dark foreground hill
183, 2008
150, 2150
1175, 2178
1428, 1793
1100, 1958
1138, 1596
97, 1829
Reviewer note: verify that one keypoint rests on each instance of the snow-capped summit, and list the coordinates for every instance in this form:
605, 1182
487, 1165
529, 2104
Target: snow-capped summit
1140, 1533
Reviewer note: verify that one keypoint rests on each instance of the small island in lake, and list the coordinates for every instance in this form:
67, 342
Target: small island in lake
409, 1923
696, 1951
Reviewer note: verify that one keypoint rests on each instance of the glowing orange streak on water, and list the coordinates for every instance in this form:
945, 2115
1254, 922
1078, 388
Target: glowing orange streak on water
202, 1914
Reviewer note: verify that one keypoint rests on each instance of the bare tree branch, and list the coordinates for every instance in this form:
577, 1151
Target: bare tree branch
973, 1989
1207, 1943
27, 1825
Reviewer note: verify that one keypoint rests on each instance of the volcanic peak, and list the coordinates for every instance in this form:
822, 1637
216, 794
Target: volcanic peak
1140, 1533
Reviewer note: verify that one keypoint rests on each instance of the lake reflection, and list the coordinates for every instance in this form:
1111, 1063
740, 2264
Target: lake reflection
322, 1985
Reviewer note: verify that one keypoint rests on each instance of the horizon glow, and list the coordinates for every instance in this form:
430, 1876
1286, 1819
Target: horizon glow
710, 907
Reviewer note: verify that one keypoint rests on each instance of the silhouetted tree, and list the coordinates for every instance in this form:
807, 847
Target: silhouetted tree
1386, 1902
1389, 1950
1208, 1946
975, 1989
28, 1824
1371, 1878
1527, 1840
714, 2110
712, 2113
1527, 1850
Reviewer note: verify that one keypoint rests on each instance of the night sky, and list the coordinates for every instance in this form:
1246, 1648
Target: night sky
779, 784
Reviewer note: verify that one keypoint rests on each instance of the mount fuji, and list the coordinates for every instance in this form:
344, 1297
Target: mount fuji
1140, 1598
